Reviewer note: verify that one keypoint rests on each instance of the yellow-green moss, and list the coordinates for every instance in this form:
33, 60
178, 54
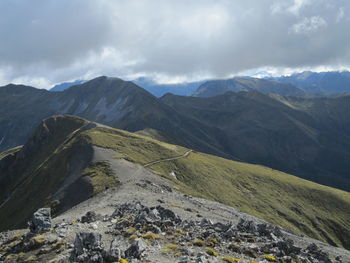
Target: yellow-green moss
150, 236
212, 252
39, 239
231, 259
212, 242
198, 242
101, 176
132, 237
131, 230
269, 257
172, 249
31, 258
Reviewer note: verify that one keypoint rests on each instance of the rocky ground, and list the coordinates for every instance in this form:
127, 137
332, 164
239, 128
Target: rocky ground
145, 219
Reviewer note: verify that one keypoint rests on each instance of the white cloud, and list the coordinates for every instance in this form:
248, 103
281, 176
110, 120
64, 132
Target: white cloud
340, 15
48, 41
298, 5
309, 25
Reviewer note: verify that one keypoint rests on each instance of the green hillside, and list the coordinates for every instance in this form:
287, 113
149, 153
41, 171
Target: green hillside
52, 169
55, 168
302, 206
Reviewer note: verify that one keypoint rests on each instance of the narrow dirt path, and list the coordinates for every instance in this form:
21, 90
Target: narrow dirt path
169, 159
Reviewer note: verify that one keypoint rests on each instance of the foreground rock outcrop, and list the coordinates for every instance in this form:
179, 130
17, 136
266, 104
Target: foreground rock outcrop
138, 233
41, 221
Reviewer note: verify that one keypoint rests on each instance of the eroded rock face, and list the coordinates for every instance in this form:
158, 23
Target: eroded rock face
41, 221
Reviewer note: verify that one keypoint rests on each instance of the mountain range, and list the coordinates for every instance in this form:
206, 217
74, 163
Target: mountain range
306, 84
319, 83
158, 90
267, 86
247, 175
308, 137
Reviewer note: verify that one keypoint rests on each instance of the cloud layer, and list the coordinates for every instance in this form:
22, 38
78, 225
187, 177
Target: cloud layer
49, 41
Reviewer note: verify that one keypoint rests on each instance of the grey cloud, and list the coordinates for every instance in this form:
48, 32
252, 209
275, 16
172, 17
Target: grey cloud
67, 39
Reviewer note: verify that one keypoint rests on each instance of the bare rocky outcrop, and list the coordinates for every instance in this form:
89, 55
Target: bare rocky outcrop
41, 221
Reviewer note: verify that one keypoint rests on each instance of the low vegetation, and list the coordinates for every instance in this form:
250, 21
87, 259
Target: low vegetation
101, 176
298, 205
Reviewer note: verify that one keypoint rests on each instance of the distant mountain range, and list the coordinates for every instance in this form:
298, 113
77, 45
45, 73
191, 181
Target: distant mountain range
158, 90
305, 84
308, 137
217, 87
323, 83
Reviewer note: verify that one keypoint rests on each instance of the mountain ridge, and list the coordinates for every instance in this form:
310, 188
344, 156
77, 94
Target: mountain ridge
236, 84
110, 153
307, 137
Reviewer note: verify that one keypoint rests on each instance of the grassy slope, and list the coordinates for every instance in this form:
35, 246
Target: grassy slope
48, 159
302, 206
305, 137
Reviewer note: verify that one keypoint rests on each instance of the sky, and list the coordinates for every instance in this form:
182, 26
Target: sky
44, 42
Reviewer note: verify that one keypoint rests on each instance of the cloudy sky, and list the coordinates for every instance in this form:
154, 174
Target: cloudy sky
44, 42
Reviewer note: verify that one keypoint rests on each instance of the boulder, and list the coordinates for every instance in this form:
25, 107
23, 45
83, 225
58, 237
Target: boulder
90, 217
246, 226
41, 221
167, 214
87, 248
287, 247
136, 249
113, 254
317, 253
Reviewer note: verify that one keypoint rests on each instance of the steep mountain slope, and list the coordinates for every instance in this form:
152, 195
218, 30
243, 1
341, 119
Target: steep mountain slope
47, 170
305, 137
300, 136
86, 158
22, 108
322, 83
110, 101
217, 87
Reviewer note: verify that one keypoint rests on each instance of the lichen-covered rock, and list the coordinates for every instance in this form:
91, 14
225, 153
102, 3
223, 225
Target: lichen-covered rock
90, 217
87, 248
287, 247
136, 249
246, 226
41, 221
318, 254
114, 253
